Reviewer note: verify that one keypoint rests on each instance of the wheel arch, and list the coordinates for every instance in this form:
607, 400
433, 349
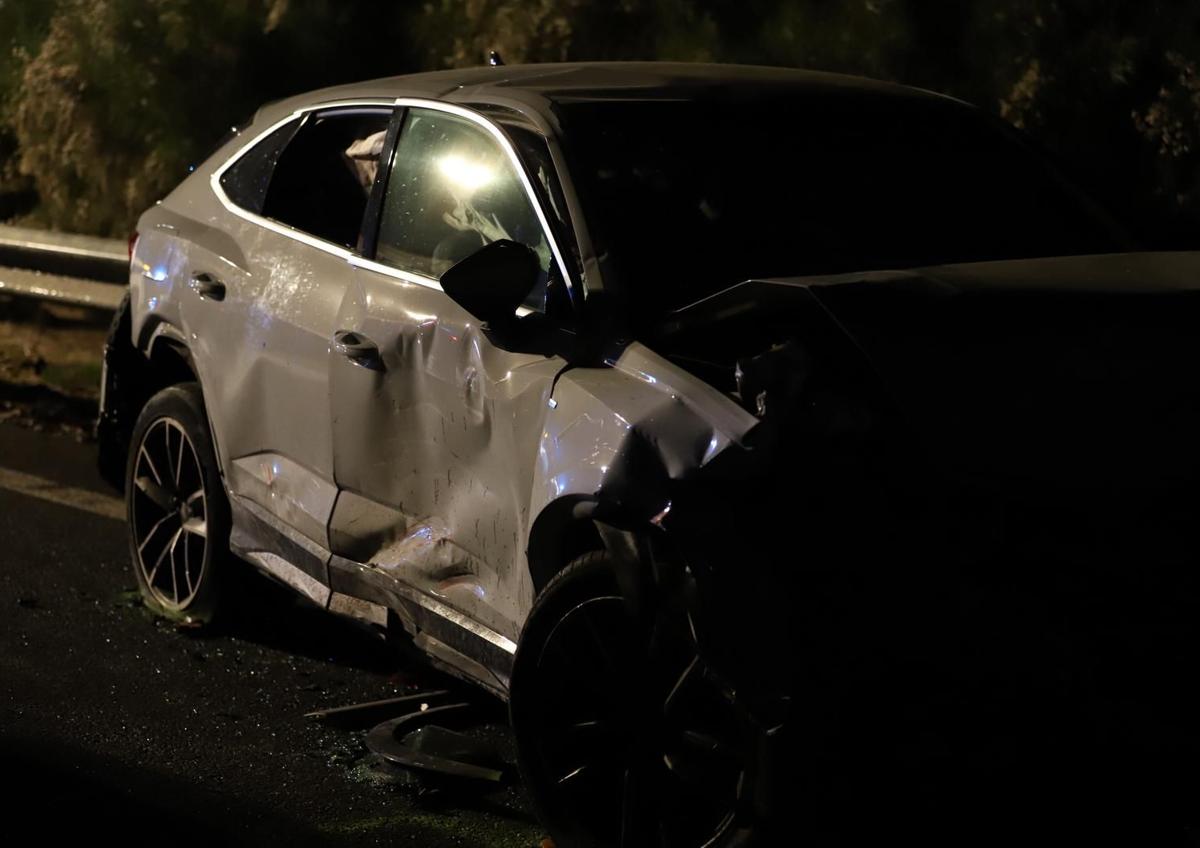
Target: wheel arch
134, 371
577, 524
170, 357
562, 531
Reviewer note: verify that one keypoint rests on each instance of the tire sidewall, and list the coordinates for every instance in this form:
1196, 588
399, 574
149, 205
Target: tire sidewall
591, 575
184, 404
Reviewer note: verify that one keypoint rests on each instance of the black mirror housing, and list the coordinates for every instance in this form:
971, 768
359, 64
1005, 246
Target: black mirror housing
493, 281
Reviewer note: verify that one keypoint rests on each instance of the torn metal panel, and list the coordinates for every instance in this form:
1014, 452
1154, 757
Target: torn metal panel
429, 557
684, 421
408, 742
624, 434
727, 420
426, 545
479, 653
371, 712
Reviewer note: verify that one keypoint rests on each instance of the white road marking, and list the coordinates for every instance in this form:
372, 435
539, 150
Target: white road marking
106, 506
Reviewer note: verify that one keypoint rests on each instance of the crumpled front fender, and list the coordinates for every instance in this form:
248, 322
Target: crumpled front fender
623, 434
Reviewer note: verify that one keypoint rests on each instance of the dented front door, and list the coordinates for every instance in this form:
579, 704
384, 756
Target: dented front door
435, 429
435, 442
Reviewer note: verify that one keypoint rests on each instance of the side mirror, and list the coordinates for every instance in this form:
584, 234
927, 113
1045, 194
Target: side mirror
493, 281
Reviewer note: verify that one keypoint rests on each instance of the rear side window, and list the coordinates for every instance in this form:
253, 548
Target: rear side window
245, 181
452, 190
323, 177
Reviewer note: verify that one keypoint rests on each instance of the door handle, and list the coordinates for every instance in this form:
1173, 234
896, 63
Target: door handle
358, 349
207, 286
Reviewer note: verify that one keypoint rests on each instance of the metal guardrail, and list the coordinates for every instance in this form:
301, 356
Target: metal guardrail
63, 268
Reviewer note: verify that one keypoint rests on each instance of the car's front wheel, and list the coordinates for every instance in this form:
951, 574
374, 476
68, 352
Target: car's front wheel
178, 515
625, 735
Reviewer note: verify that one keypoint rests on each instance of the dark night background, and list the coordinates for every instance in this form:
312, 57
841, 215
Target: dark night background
104, 103
103, 106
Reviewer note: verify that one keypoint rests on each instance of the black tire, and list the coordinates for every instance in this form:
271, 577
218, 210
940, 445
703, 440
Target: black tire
178, 516
603, 692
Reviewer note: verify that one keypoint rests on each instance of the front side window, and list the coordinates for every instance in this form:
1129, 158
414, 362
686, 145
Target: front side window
453, 190
323, 178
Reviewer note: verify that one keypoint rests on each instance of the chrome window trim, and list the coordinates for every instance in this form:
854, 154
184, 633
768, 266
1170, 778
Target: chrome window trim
275, 226
388, 271
350, 256
409, 277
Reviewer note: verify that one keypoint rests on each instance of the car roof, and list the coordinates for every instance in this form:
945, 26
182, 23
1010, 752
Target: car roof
593, 81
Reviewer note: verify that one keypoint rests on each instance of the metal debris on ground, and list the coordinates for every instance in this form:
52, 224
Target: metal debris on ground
412, 742
410, 745
373, 712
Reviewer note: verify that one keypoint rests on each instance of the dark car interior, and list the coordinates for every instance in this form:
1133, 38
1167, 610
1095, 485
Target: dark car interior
313, 189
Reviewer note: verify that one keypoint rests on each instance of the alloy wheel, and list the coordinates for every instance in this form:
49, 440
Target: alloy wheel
642, 742
169, 515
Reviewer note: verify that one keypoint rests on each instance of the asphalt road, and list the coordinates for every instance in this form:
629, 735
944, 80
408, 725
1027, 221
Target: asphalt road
115, 724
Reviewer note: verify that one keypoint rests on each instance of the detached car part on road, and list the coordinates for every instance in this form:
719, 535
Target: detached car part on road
628, 391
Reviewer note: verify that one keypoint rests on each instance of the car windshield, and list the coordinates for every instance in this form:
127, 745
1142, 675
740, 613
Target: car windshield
690, 196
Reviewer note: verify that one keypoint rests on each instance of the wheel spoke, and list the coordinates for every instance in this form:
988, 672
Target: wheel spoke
630, 810
145, 454
694, 669
179, 459
167, 447
587, 728
600, 646
161, 556
580, 662
174, 565
710, 745
638, 741
598, 776
614, 658
640, 803
159, 496
187, 565
577, 774
572, 679
154, 530
167, 467
701, 773
581, 742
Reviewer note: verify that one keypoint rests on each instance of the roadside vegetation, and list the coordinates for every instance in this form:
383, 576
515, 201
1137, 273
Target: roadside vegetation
105, 103
50, 365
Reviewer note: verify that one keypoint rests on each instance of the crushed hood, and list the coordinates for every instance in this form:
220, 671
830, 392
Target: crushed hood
1075, 373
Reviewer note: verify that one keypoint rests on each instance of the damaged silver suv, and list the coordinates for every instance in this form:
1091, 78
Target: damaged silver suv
599, 381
